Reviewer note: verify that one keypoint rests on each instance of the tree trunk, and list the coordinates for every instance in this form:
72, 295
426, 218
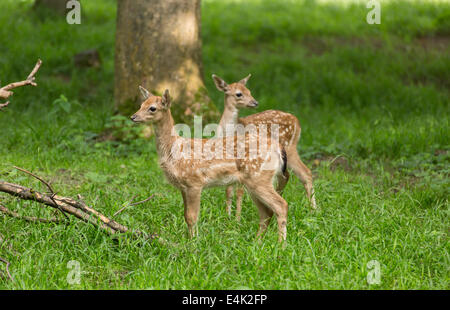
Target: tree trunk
57, 5
158, 46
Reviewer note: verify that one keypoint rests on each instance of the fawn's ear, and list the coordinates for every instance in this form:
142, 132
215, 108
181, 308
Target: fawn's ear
244, 80
220, 84
166, 99
145, 94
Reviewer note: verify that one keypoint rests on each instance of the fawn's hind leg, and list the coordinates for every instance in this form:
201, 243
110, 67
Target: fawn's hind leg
282, 182
239, 194
302, 172
263, 191
229, 198
265, 215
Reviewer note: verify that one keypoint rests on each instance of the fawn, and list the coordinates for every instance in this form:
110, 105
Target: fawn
190, 175
238, 96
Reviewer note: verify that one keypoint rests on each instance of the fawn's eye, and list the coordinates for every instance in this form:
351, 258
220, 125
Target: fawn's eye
152, 109
238, 94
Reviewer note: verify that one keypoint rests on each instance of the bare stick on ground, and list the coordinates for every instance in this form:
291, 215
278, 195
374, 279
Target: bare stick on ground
6, 211
5, 244
7, 268
4, 105
5, 91
134, 204
48, 186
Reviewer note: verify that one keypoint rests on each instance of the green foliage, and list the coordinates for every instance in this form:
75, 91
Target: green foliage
373, 102
63, 104
123, 129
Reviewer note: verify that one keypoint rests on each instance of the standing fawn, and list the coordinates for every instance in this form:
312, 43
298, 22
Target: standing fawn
238, 96
212, 165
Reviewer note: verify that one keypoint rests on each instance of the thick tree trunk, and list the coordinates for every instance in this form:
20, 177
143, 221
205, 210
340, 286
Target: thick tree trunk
158, 46
57, 5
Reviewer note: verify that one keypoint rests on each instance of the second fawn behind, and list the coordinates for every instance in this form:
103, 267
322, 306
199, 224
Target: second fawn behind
238, 96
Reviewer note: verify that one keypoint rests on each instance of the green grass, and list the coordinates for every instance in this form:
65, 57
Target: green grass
373, 101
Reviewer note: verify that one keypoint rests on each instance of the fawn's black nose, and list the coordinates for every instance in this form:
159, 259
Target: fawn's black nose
133, 117
255, 103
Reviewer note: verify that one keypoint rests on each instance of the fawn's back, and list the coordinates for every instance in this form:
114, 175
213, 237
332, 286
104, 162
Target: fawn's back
288, 125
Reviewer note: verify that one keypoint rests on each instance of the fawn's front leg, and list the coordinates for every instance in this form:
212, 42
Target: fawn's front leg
191, 199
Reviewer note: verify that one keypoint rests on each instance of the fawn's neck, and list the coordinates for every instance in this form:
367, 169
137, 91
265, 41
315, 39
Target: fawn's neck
164, 134
230, 114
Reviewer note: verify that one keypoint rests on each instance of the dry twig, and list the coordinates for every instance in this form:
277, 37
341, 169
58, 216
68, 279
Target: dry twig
140, 202
5, 91
48, 186
37, 177
7, 268
134, 204
4, 105
4, 243
31, 219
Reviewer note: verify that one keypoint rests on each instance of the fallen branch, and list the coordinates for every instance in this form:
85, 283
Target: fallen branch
5, 91
70, 206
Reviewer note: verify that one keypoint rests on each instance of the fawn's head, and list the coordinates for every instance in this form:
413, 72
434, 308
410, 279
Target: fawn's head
236, 94
153, 108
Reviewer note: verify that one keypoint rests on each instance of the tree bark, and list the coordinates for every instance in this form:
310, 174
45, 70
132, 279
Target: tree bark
57, 5
158, 46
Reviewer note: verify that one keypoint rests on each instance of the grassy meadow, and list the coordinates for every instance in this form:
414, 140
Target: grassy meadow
373, 102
